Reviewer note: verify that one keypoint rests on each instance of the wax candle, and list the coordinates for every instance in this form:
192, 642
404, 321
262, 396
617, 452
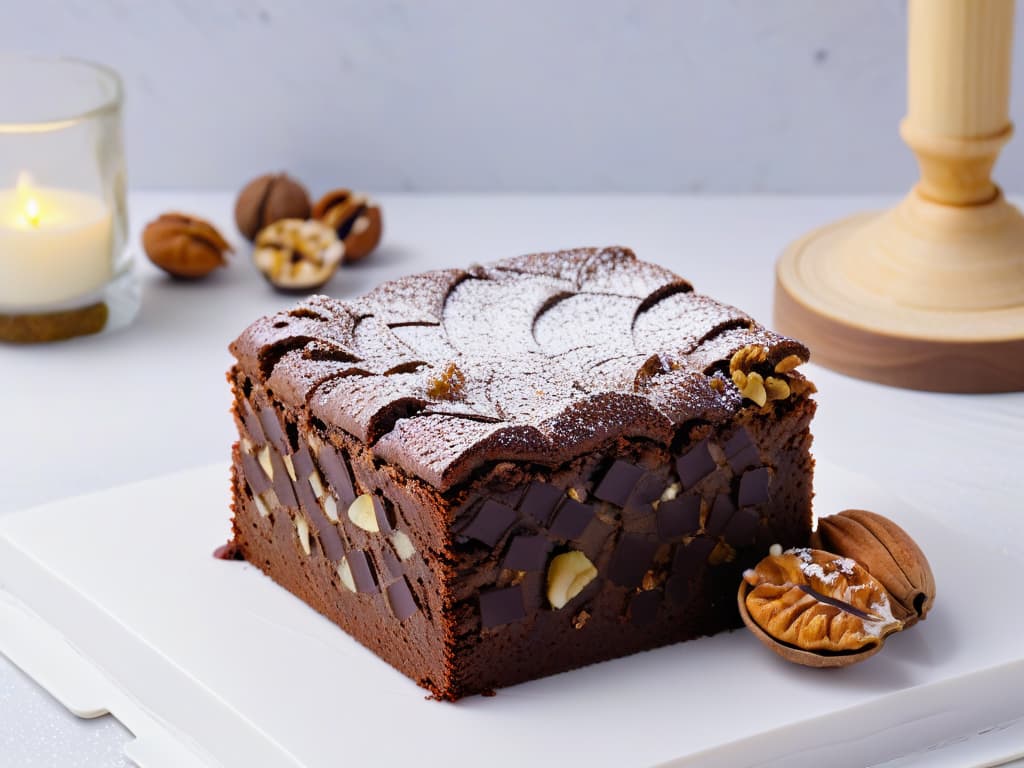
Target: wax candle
55, 246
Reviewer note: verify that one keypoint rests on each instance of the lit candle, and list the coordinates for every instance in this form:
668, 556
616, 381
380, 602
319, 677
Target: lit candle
55, 246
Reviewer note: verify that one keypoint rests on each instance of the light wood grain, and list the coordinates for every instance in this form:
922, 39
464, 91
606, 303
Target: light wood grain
928, 295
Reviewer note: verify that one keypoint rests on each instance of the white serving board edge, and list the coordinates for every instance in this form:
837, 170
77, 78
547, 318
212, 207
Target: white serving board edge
94, 664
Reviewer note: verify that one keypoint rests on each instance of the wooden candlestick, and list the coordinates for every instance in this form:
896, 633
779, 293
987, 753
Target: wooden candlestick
928, 295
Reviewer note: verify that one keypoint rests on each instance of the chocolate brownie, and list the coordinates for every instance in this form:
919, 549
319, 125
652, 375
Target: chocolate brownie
494, 474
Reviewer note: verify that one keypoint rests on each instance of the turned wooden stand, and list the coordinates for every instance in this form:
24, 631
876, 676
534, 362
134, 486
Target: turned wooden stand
928, 295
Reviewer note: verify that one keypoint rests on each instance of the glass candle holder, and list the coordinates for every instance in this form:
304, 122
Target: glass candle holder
64, 267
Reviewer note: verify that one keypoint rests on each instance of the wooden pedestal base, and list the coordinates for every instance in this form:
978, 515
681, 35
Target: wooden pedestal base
924, 296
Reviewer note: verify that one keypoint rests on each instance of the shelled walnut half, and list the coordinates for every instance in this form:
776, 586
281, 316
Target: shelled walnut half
835, 608
816, 608
297, 255
756, 379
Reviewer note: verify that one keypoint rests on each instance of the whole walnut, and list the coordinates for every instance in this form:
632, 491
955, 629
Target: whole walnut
270, 198
184, 246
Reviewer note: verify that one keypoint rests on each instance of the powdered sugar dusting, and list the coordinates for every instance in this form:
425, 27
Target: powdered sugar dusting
840, 570
882, 609
825, 574
559, 351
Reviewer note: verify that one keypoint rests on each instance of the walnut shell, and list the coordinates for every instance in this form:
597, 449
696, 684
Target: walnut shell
816, 608
355, 218
297, 255
184, 246
269, 198
887, 552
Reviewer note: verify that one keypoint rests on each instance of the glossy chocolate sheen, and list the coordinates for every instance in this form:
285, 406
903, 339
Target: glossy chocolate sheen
556, 354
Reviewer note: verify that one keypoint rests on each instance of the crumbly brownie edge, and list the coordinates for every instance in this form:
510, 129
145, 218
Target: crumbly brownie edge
438, 644
659, 581
387, 588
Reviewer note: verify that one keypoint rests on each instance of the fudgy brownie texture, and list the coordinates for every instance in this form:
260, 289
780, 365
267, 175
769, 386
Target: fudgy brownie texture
494, 474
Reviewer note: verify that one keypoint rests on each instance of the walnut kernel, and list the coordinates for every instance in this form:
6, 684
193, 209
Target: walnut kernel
816, 608
330, 507
302, 529
776, 388
448, 384
751, 386
264, 459
345, 574
746, 358
722, 553
652, 580
819, 601
568, 574
363, 513
403, 545
671, 492
800, 386
289, 467
297, 255
317, 484
788, 363
261, 506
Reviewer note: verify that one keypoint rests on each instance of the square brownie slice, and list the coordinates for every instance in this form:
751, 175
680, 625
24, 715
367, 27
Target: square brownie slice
490, 475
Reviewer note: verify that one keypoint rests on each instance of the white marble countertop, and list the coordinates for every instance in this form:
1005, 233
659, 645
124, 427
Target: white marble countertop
152, 399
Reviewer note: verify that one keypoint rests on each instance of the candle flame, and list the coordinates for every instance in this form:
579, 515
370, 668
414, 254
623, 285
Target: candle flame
28, 204
31, 212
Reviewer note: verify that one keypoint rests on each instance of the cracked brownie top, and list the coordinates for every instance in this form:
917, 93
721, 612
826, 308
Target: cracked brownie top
537, 358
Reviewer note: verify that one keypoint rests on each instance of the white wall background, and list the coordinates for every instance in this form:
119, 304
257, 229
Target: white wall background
699, 96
